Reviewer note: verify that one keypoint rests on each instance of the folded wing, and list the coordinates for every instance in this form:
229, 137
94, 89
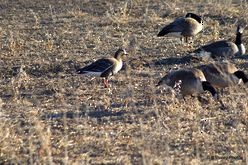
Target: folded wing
101, 67
174, 27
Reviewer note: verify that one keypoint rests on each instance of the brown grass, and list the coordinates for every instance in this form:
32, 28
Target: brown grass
48, 114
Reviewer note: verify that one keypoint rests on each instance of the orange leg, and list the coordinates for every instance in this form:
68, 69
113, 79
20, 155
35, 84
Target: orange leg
105, 81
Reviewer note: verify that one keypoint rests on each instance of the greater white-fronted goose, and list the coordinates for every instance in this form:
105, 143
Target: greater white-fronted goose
105, 67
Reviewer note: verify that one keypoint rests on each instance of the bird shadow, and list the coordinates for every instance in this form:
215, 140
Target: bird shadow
243, 57
175, 60
85, 111
74, 114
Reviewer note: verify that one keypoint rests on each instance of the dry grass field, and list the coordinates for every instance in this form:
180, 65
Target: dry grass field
51, 115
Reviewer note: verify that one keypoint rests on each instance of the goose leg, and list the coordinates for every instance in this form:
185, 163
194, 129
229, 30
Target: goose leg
181, 39
186, 40
105, 81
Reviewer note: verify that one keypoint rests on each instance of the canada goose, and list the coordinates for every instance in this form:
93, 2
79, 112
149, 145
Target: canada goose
223, 48
223, 74
105, 67
187, 26
192, 81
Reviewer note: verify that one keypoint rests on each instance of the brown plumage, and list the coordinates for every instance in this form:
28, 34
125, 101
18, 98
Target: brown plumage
223, 74
187, 26
223, 48
191, 81
104, 67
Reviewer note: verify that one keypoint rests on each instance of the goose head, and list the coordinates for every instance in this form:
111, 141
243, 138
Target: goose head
120, 53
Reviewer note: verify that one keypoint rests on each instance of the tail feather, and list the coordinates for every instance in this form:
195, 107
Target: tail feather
164, 31
81, 71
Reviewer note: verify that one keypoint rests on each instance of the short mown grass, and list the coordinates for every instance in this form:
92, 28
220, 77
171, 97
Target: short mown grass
49, 114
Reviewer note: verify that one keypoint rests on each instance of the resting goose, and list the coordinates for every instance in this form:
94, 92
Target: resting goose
105, 67
187, 26
192, 81
223, 48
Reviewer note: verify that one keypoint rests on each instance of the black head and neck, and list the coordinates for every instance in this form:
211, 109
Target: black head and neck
119, 53
238, 40
239, 33
208, 87
241, 75
195, 17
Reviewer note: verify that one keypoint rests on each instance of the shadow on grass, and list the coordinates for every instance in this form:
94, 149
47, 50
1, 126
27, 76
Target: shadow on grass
175, 60
101, 113
41, 94
85, 111
244, 57
94, 114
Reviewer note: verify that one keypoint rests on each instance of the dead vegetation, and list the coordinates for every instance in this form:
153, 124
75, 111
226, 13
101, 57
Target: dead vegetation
51, 115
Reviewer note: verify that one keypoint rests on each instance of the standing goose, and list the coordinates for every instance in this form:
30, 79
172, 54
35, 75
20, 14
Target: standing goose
187, 26
105, 67
192, 81
223, 74
223, 48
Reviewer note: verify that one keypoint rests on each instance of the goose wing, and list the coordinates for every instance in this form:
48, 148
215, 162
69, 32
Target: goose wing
99, 66
214, 75
216, 45
211, 69
176, 26
219, 48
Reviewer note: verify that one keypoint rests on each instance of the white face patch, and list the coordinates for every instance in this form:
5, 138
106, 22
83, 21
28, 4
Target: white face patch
240, 80
241, 30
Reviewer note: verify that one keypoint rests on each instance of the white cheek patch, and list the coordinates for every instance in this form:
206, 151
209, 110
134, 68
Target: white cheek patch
203, 79
241, 30
240, 81
125, 52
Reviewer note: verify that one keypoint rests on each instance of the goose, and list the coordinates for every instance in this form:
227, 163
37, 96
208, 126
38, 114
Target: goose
187, 26
192, 81
223, 48
105, 67
223, 74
